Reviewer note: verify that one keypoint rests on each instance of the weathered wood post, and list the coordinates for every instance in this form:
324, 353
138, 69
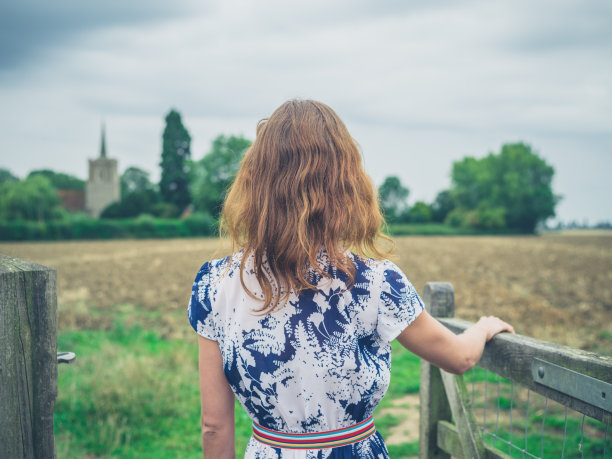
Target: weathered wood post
439, 299
28, 359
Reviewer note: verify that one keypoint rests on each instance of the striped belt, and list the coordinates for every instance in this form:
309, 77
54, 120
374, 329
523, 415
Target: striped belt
316, 440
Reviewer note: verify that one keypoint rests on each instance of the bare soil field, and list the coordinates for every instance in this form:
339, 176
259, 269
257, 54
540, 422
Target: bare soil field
557, 287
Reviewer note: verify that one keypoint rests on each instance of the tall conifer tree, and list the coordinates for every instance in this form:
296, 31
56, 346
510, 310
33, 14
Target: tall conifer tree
176, 144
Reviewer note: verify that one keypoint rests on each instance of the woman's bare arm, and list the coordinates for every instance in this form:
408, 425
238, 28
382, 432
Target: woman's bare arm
429, 339
218, 429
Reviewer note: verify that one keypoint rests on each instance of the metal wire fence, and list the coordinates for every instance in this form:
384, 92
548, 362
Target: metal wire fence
527, 398
523, 424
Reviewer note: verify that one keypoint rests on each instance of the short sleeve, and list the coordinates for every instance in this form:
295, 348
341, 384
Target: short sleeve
399, 304
200, 309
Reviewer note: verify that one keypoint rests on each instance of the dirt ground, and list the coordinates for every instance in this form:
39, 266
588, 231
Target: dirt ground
557, 288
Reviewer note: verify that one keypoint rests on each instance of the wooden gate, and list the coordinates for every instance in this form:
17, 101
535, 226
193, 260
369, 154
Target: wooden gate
579, 380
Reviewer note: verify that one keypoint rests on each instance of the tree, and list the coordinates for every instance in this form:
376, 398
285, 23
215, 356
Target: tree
135, 180
176, 142
31, 199
512, 189
60, 180
420, 213
132, 205
138, 196
393, 198
7, 176
212, 176
442, 206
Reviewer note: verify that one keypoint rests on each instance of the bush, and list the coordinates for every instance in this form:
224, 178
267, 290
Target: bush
22, 230
454, 218
200, 224
482, 218
420, 213
60, 230
427, 229
132, 205
148, 226
165, 210
81, 227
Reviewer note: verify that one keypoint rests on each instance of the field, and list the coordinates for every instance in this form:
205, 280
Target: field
557, 288
133, 390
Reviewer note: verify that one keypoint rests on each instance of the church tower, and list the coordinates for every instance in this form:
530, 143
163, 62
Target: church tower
103, 183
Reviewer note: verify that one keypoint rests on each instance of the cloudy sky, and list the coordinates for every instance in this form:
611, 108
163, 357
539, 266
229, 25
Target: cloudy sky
419, 84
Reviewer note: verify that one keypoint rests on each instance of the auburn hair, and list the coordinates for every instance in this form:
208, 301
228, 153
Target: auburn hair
301, 188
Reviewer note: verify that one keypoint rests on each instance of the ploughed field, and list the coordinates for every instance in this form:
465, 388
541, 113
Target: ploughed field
553, 287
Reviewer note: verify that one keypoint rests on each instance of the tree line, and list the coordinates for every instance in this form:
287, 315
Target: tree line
509, 190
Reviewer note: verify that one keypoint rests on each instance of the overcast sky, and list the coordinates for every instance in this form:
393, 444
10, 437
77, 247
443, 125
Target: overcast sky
419, 85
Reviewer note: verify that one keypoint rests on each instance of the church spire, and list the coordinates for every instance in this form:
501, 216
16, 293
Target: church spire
103, 143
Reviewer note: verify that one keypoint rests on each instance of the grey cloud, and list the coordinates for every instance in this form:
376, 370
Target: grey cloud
557, 26
28, 27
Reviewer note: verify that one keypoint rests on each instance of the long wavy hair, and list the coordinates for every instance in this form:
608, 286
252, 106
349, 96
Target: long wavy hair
301, 188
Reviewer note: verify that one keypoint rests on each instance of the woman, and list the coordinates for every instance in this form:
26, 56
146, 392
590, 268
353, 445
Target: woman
298, 323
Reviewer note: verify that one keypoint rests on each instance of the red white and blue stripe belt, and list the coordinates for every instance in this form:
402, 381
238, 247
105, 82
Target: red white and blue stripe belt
315, 440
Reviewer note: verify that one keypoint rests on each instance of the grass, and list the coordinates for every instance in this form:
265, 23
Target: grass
404, 450
133, 394
510, 417
551, 445
130, 394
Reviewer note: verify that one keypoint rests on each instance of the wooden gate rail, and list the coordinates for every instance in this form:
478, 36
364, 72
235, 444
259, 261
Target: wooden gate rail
512, 356
577, 379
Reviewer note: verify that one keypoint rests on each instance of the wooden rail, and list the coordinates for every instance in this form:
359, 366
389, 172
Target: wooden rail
582, 381
511, 356
28, 359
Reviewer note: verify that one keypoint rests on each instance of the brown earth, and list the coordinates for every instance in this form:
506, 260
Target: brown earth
557, 288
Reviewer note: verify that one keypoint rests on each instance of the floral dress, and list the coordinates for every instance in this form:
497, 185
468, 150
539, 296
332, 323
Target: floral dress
321, 362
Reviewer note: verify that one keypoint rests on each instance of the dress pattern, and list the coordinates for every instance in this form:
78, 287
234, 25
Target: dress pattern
321, 362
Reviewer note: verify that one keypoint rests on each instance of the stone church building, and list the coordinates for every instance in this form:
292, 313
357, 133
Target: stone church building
102, 186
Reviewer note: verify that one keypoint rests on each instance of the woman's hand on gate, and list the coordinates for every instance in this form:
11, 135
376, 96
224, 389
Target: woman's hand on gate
492, 325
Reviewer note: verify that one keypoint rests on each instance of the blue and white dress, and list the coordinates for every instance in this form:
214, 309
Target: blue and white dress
321, 362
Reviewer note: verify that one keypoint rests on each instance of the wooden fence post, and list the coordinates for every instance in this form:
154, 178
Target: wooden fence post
439, 299
470, 438
28, 358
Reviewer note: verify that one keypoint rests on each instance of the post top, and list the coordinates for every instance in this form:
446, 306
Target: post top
439, 298
11, 265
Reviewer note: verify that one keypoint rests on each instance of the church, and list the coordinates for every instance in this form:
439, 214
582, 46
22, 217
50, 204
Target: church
102, 186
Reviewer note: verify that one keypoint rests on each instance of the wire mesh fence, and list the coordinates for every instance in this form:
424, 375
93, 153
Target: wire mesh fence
524, 424
521, 400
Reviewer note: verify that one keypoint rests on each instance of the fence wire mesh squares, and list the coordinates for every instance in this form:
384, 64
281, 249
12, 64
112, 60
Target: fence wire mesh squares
522, 423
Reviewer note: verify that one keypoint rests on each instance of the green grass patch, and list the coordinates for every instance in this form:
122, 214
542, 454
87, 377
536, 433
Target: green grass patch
551, 444
478, 374
129, 394
385, 423
504, 403
404, 451
133, 394
405, 372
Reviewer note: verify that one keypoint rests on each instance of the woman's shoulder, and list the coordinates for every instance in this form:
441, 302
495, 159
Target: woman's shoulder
219, 267
378, 265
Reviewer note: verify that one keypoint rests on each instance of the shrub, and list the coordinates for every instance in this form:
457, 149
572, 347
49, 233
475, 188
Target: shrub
83, 227
200, 224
